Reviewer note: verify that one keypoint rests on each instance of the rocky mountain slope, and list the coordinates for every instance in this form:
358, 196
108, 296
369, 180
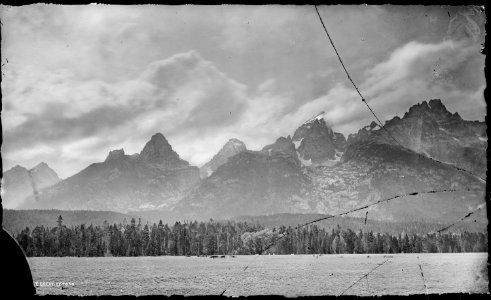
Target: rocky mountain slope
316, 143
318, 171
19, 183
373, 171
231, 148
315, 171
251, 182
430, 129
155, 178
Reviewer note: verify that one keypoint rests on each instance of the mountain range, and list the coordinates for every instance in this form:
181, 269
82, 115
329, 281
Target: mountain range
316, 170
18, 183
155, 178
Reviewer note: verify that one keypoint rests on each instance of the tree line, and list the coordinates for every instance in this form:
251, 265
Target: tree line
231, 238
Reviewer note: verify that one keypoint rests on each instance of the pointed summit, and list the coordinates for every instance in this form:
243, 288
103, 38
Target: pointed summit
43, 175
157, 147
316, 142
318, 117
436, 104
158, 151
234, 145
316, 124
231, 148
159, 138
282, 147
41, 165
17, 168
18, 183
115, 154
430, 129
433, 109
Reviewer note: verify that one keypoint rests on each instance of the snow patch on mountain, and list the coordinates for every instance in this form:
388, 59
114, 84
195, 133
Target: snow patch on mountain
304, 162
319, 116
297, 143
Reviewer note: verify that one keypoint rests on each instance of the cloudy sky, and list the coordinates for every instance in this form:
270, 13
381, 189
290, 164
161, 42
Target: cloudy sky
79, 81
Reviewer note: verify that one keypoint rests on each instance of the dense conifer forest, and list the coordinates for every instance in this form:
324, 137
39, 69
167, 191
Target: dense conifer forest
17, 220
231, 238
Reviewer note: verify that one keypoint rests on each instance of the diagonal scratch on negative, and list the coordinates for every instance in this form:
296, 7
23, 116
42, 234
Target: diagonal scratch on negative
375, 203
364, 207
453, 166
461, 219
422, 276
371, 110
454, 223
366, 275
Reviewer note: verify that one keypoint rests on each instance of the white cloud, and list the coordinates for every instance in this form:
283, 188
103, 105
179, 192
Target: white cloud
409, 76
176, 96
267, 86
84, 80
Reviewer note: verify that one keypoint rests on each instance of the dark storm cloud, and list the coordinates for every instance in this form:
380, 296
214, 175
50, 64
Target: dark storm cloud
51, 126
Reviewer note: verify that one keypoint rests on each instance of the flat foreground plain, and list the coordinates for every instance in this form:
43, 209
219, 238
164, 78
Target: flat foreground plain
295, 275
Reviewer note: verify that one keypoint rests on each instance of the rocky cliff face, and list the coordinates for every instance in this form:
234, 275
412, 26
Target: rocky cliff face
373, 171
19, 183
155, 179
373, 167
317, 143
159, 152
251, 182
316, 171
231, 148
282, 148
430, 129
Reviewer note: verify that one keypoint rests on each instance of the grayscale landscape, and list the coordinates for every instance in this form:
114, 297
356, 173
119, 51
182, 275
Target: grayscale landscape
246, 150
297, 275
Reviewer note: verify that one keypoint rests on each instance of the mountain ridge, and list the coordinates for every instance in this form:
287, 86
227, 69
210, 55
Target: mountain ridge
155, 178
232, 147
316, 171
18, 183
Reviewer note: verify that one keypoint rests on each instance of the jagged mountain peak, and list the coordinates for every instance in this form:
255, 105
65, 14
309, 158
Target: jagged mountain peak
115, 154
315, 125
158, 139
41, 165
17, 168
316, 142
18, 183
283, 147
232, 147
372, 126
317, 117
434, 109
159, 151
436, 104
430, 129
44, 175
43, 169
234, 143
282, 144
